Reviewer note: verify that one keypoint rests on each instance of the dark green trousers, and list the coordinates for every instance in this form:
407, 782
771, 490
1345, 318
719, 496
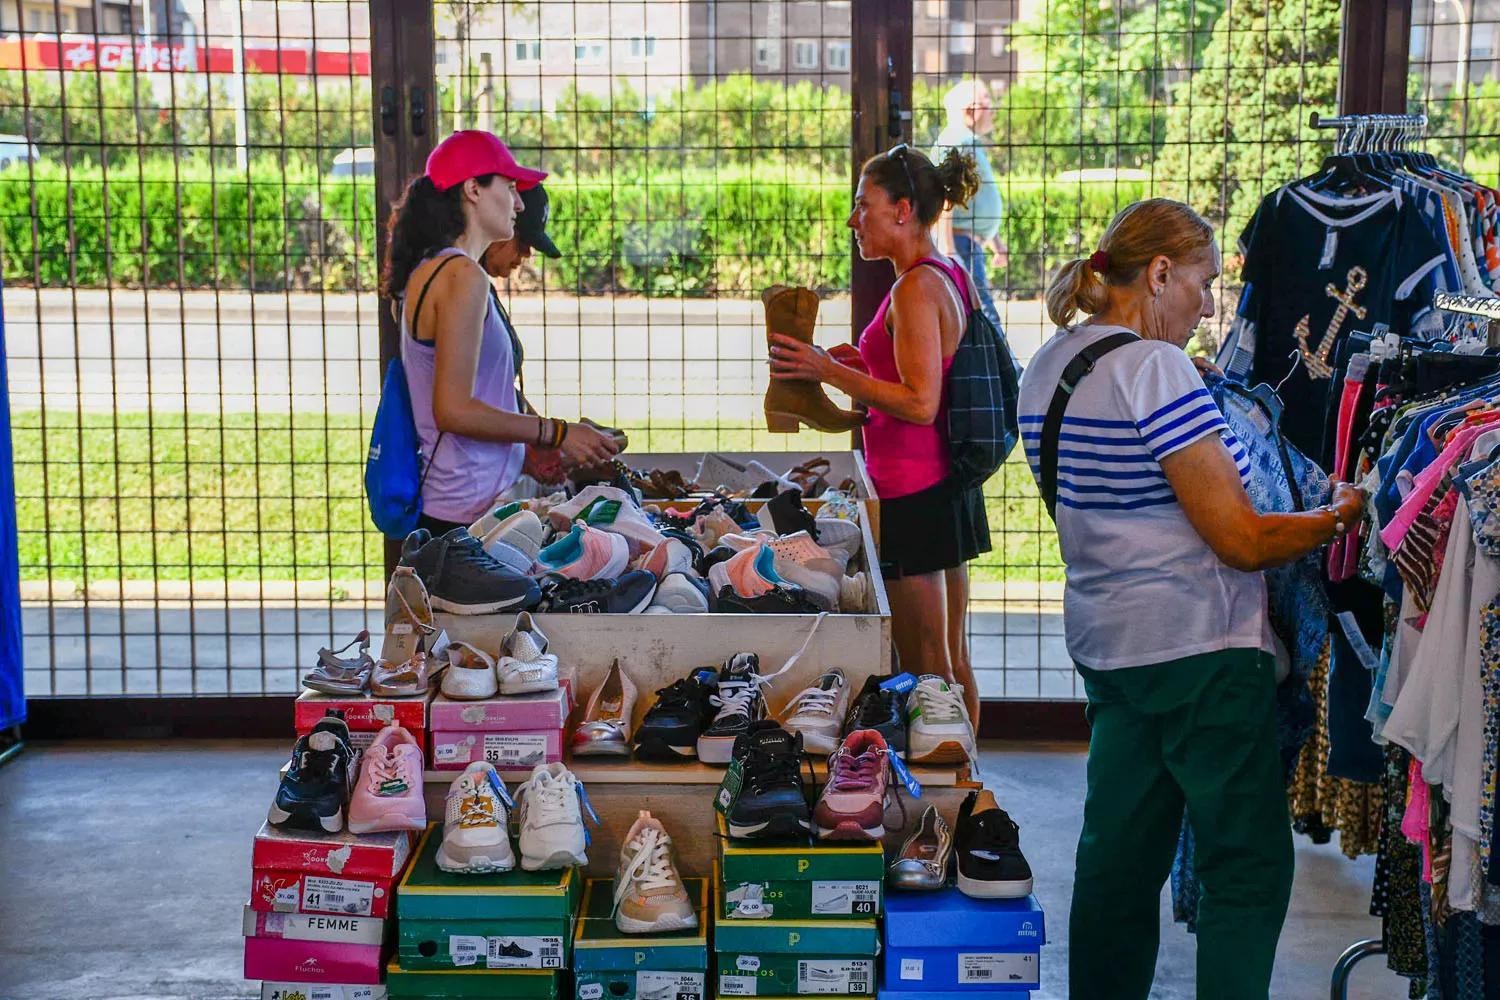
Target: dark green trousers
1198, 732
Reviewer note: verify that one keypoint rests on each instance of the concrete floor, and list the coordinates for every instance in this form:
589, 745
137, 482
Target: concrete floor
123, 868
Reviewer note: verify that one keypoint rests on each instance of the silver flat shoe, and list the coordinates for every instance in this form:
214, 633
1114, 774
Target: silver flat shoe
922, 862
605, 729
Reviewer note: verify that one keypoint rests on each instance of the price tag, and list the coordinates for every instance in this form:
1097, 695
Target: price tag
467, 949
911, 968
670, 985
447, 753
736, 986
515, 749
835, 976
287, 897
862, 898
590, 991
747, 963
999, 968
359, 993
337, 895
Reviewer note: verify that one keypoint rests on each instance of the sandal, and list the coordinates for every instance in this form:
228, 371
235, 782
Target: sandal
335, 674
400, 680
811, 476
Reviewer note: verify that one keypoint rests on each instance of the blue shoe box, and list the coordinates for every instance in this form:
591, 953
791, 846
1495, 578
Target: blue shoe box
942, 945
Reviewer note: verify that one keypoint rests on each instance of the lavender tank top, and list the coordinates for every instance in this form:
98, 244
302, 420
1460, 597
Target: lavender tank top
464, 475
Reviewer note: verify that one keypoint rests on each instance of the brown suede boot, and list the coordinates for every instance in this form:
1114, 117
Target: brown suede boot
793, 312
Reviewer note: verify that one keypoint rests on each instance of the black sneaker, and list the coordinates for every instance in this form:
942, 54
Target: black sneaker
512, 950
788, 516
628, 595
779, 601
737, 511
462, 578
988, 845
711, 558
881, 710
772, 799
686, 539
314, 792
669, 732
739, 702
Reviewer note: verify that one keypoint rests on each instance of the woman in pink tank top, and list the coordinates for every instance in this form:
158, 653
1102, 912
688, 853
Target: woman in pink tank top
929, 529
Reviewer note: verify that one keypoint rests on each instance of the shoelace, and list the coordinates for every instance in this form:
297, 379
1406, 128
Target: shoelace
480, 807
738, 697
851, 773
650, 866
814, 701
388, 767
768, 769
939, 705
548, 799
678, 694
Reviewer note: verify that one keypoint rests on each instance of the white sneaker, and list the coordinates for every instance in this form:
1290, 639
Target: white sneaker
938, 730
715, 470
670, 555
521, 530
818, 712
679, 594
839, 535
551, 819
525, 665
854, 595
764, 475
470, 673
607, 512
476, 825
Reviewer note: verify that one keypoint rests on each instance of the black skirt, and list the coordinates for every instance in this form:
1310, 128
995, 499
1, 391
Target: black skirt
936, 529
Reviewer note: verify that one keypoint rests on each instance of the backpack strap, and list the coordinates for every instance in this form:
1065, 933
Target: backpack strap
1073, 373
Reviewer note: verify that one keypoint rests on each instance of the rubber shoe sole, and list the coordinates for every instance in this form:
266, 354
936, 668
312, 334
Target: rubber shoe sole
666, 922
980, 889
849, 830
390, 821
654, 748
557, 859
478, 865
778, 827
460, 608
305, 819
946, 752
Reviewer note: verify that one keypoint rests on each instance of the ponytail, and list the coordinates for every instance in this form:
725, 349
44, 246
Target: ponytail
958, 179
422, 223
1077, 289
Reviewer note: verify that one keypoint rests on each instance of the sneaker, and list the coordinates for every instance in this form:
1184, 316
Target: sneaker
348, 675
470, 673
852, 806
751, 573
586, 553
517, 540
772, 801
709, 528
841, 536
461, 577
938, 730
881, 710
739, 702
628, 595
525, 666
787, 516
922, 862
605, 729
683, 709
854, 595
314, 791
388, 795
500, 509
551, 820
673, 554
804, 563
733, 509
649, 894
511, 949
781, 601
763, 475
680, 594
818, 712
476, 824
716, 470
988, 845
711, 558
620, 517
569, 510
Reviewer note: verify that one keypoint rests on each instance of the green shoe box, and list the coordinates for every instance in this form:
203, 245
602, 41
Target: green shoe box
800, 880
472, 984
611, 965
778, 958
512, 920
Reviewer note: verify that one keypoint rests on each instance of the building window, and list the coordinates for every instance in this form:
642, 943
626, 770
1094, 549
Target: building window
805, 54
960, 38
643, 48
838, 55
997, 43
937, 10
768, 53
529, 50
1482, 48
588, 52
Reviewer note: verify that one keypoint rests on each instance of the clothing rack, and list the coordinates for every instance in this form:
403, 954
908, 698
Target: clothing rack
1472, 305
1372, 133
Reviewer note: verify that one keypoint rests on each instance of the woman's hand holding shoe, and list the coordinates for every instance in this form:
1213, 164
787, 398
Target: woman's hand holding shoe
583, 445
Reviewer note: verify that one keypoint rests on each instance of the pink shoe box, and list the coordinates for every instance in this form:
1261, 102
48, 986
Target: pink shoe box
502, 714
366, 714
345, 854
508, 751
320, 991
281, 891
281, 959
314, 927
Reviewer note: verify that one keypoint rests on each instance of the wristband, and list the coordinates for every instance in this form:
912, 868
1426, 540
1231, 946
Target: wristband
541, 431
559, 432
1339, 527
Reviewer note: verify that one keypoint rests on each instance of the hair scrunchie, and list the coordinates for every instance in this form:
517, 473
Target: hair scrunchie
1099, 261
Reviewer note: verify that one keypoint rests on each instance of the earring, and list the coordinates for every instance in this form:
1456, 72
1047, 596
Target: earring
900, 222
1158, 293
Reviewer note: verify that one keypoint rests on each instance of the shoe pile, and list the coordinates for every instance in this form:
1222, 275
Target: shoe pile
509, 710
984, 935
320, 893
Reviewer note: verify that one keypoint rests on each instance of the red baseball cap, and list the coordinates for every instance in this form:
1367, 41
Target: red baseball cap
473, 153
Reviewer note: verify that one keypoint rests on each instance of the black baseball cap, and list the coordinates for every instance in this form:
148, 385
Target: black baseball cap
531, 225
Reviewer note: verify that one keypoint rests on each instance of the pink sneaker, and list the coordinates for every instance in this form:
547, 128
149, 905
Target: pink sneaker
388, 795
751, 572
852, 806
586, 553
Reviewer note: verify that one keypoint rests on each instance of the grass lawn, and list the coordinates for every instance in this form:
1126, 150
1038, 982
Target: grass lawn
140, 497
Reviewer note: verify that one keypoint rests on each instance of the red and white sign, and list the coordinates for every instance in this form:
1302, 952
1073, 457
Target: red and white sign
128, 54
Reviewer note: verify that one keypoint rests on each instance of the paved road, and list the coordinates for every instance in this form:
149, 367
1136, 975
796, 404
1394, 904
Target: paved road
659, 360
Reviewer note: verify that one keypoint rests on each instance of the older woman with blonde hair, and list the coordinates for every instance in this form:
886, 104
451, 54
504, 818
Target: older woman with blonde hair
1164, 611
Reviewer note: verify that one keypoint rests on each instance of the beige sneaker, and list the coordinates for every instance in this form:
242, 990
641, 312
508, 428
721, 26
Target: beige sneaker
649, 895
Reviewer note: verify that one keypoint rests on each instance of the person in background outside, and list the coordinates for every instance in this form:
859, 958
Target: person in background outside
966, 232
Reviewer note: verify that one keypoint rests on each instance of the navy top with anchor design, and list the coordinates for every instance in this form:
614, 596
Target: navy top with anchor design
1317, 268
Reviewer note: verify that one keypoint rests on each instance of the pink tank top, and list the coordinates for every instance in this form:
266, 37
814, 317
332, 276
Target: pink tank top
904, 458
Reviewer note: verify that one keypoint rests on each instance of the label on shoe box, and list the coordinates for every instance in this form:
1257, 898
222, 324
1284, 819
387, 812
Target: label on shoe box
846, 898
467, 949
835, 976
343, 853
283, 960
911, 968
314, 927
301, 892
507, 751
503, 713
515, 749
999, 968
320, 991
671, 985
337, 895
524, 953
736, 986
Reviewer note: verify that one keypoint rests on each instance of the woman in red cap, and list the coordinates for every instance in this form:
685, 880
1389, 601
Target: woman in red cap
459, 361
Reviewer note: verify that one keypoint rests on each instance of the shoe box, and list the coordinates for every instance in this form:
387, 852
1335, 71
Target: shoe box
343, 874
509, 920
320, 991
940, 943
513, 732
611, 965
314, 927
471, 984
288, 959
782, 958
366, 715
799, 880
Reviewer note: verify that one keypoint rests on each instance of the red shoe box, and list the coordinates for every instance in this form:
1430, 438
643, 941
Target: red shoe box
281, 891
365, 715
502, 714
508, 751
282, 959
344, 854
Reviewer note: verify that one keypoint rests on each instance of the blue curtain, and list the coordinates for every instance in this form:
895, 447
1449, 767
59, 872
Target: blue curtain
12, 685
